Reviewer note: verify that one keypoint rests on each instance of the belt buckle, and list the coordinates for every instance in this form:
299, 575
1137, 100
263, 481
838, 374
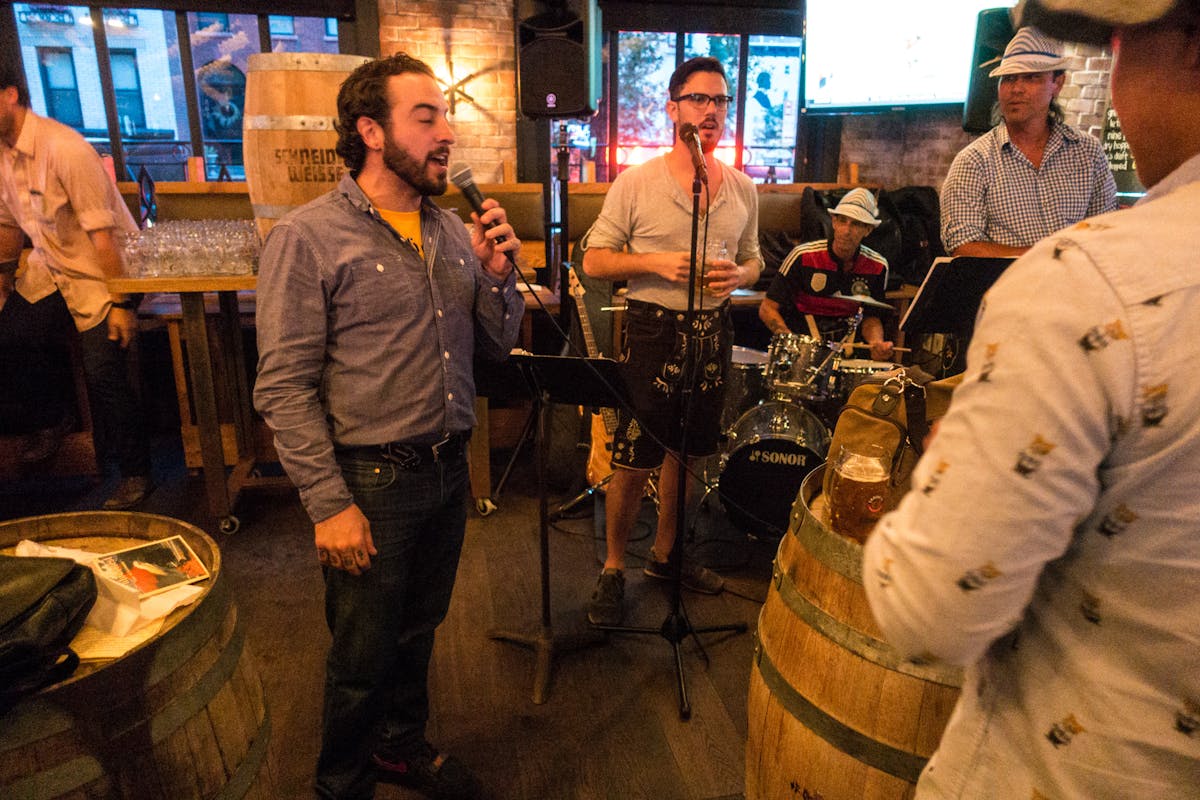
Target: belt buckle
402, 455
437, 448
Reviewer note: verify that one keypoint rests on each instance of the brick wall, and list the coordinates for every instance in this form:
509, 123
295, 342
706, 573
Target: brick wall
459, 39
907, 148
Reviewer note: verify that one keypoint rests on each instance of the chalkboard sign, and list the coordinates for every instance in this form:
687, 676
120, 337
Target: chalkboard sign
1120, 157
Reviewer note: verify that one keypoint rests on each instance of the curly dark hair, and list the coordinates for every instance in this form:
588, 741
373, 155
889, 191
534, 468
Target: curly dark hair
693, 65
11, 74
364, 94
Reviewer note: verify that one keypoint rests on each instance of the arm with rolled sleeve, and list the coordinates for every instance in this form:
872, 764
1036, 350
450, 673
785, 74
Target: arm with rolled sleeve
1104, 193
955, 566
964, 211
291, 322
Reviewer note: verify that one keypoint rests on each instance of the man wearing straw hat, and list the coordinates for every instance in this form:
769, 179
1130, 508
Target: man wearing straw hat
1051, 541
1030, 175
813, 272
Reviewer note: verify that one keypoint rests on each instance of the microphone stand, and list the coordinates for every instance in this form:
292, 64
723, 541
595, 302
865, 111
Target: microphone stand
676, 627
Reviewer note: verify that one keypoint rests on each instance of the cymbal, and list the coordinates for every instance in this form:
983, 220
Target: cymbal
864, 299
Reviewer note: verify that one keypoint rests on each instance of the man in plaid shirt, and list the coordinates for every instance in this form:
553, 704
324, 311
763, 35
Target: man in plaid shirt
1030, 175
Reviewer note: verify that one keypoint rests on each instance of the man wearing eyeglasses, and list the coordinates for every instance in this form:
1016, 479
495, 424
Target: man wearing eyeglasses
643, 236
1032, 174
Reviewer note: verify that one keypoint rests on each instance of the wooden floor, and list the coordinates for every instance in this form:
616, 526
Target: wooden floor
611, 726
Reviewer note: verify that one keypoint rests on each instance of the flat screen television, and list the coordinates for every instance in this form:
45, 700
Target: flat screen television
878, 55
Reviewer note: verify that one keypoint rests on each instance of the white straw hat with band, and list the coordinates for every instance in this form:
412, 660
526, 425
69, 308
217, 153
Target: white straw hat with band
1030, 51
859, 204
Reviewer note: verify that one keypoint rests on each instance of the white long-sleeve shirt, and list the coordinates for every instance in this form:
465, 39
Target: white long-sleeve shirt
1051, 540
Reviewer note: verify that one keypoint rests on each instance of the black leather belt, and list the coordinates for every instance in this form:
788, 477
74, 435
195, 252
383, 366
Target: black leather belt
410, 456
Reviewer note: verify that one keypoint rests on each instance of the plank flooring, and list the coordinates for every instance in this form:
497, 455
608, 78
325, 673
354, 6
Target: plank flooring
610, 729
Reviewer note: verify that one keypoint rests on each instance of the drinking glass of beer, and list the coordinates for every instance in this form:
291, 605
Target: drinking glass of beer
859, 489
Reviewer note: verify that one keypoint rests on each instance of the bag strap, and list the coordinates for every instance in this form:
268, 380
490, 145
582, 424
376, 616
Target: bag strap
914, 409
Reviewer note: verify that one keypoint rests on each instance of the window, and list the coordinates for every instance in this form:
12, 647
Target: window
61, 91
211, 23
127, 87
281, 26
760, 128
162, 115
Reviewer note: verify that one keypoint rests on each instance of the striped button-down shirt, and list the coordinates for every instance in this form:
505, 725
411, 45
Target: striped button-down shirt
993, 193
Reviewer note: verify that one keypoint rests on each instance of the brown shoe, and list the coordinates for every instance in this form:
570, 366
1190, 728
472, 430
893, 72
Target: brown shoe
130, 492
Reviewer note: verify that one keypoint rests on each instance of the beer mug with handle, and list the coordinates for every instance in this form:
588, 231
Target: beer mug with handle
859, 489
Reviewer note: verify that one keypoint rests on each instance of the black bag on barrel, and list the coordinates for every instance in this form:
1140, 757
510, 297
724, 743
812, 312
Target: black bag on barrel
43, 604
892, 409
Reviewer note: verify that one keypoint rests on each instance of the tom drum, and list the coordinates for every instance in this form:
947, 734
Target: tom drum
745, 384
798, 367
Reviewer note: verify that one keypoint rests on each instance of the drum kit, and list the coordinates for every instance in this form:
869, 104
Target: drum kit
779, 407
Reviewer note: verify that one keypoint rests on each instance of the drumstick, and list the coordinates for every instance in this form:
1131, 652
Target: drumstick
865, 346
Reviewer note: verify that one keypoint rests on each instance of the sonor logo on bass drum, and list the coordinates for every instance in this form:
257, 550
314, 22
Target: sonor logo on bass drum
773, 457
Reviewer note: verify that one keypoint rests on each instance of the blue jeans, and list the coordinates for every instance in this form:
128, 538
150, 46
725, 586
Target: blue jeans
383, 621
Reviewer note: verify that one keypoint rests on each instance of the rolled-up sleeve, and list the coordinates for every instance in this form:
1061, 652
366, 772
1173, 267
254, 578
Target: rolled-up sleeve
1012, 470
964, 213
291, 322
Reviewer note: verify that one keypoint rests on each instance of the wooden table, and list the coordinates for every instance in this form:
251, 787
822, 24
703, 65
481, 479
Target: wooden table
222, 491
206, 379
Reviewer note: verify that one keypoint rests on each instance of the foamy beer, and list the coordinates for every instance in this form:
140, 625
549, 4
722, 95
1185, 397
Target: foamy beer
859, 489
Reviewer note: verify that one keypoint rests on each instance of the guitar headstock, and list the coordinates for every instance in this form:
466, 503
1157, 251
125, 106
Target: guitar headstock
576, 288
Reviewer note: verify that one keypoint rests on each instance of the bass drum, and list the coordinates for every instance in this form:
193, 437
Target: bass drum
769, 451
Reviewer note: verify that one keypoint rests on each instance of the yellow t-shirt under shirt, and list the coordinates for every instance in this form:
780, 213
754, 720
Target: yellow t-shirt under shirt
405, 223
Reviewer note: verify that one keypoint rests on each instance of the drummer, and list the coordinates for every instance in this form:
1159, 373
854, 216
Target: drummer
813, 274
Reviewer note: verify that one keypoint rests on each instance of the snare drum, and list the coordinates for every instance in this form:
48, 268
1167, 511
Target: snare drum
848, 373
769, 451
745, 384
798, 367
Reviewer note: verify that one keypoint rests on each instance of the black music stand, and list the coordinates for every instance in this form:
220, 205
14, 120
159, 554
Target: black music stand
949, 297
575, 381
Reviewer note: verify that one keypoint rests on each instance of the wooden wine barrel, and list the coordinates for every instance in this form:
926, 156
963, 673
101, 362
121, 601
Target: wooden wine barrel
181, 715
288, 138
834, 712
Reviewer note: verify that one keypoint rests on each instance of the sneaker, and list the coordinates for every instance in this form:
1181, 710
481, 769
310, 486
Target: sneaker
130, 492
694, 577
436, 775
43, 444
607, 605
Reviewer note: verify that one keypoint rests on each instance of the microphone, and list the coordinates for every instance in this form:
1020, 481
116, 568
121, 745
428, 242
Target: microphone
460, 176
690, 135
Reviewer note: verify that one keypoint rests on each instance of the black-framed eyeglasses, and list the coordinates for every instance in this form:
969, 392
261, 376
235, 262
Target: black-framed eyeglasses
701, 100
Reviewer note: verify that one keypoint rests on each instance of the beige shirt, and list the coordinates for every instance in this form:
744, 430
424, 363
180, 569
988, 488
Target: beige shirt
53, 186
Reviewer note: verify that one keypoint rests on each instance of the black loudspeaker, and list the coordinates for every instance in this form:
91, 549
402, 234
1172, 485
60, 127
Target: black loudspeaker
992, 33
558, 61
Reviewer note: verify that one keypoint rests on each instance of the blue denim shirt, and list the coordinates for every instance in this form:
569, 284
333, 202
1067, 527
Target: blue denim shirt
361, 341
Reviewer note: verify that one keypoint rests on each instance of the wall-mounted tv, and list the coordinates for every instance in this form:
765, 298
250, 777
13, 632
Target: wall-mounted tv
877, 55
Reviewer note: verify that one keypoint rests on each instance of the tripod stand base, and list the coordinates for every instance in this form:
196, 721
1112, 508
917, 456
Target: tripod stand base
545, 645
675, 628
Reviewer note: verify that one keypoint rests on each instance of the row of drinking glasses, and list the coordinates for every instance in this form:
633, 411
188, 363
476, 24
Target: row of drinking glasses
193, 247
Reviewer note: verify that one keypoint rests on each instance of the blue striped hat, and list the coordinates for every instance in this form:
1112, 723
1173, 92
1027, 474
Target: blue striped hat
1030, 51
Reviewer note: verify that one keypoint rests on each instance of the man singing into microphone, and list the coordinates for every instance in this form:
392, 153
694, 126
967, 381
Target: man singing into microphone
643, 236
371, 304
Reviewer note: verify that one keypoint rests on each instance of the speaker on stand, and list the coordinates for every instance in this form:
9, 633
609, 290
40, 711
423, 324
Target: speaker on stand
558, 61
992, 34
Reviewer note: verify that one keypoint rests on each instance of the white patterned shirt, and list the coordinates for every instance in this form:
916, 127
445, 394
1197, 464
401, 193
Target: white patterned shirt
993, 193
1052, 536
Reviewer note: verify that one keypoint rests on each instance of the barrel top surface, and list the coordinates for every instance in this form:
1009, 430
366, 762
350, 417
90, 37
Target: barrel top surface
312, 62
106, 532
